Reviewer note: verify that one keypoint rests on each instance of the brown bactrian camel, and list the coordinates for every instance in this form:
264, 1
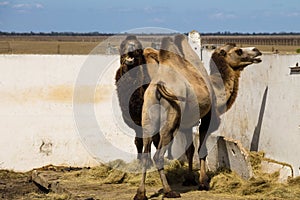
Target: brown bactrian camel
181, 93
132, 79
131, 102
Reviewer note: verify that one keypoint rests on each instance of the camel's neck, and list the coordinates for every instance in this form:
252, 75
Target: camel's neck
231, 87
225, 84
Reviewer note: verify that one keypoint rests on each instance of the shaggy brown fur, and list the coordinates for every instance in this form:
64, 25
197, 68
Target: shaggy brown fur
131, 102
131, 76
131, 112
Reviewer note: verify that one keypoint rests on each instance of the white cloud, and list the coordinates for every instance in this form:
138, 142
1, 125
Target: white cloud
38, 5
293, 14
22, 5
122, 9
155, 9
148, 9
26, 6
4, 3
157, 20
221, 15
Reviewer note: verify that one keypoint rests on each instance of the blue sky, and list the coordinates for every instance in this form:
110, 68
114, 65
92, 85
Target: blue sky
116, 16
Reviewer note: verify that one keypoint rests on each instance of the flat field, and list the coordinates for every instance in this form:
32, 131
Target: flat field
85, 44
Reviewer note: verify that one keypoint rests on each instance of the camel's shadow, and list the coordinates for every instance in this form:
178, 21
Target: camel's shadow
176, 177
178, 187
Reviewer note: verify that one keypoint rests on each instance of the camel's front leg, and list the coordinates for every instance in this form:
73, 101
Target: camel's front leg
203, 179
159, 162
189, 179
138, 141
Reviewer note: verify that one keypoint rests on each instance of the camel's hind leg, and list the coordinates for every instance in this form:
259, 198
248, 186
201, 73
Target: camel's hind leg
166, 135
146, 159
150, 124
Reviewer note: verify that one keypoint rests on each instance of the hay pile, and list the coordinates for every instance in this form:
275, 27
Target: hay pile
262, 184
117, 172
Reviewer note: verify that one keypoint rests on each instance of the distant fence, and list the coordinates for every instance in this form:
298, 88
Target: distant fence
287, 40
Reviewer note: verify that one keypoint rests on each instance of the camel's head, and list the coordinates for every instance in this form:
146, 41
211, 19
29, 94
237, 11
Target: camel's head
237, 58
131, 51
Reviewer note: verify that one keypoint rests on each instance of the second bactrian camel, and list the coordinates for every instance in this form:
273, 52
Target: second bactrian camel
181, 93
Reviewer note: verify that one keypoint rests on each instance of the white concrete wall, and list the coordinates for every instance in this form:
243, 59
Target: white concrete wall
278, 120
280, 116
38, 123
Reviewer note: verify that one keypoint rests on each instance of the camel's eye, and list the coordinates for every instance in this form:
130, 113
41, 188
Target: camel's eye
239, 52
223, 53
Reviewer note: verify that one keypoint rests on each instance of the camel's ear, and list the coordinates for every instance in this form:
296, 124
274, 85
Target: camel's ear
223, 52
230, 44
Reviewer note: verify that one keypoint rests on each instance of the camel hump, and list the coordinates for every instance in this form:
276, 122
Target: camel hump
179, 39
166, 42
166, 94
168, 49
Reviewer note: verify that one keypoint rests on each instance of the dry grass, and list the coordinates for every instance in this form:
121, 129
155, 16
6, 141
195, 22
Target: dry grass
118, 171
85, 44
262, 185
49, 44
272, 48
51, 47
115, 181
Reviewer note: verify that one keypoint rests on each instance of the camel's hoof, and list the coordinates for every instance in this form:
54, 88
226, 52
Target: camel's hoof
140, 197
170, 157
189, 180
203, 187
139, 157
172, 194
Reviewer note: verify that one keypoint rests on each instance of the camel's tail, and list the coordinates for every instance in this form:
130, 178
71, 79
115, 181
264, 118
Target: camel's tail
173, 100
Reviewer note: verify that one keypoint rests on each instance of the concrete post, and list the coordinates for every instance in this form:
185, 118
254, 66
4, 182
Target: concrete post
195, 42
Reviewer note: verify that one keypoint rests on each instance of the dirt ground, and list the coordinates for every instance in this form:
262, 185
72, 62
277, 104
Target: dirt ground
20, 186
111, 181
